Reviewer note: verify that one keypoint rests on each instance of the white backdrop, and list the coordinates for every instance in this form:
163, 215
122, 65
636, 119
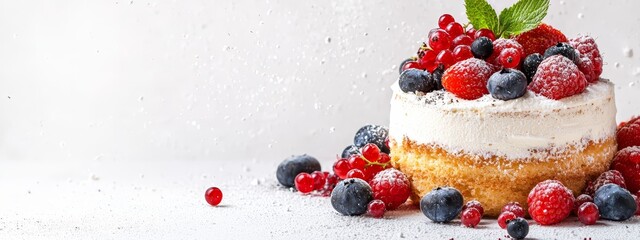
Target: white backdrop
238, 80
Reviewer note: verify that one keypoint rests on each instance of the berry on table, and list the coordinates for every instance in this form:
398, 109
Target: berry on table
213, 196
539, 39
341, 168
462, 52
550, 202
530, 65
505, 217
416, 80
292, 166
304, 182
627, 162
462, 40
474, 204
439, 40
351, 197
563, 49
350, 150
445, 57
442, 204
470, 217
588, 213
558, 77
355, 173
371, 152
507, 84
454, 29
467, 79
482, 47
611, 176
518, 228
583, 198
409, 64
587, 46
319, 179
615, 203
376, 208
485, 33
509, 58
392, 187
628, 133
515, 208
444, 20
371, 133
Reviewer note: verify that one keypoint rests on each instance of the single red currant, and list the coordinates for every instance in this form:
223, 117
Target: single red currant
356, 162
213, 195
583, 198
444, 20
485, 33
462, 52
454, 29
411, 65
355, 173
509, 58
384, 158
445, 57
588, 213
428, 60
462, 40
304, 182
439, 40
319, 180
470, 217
341, 168
474, 204
504, 217
376, 208
515, 208
471, 32
371, 152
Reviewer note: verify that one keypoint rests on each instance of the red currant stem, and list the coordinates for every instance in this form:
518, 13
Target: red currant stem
370, 163
466, 25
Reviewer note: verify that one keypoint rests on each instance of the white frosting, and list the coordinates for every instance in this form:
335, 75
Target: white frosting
513, 129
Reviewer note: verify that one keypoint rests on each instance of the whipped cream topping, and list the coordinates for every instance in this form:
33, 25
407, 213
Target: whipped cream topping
522, 128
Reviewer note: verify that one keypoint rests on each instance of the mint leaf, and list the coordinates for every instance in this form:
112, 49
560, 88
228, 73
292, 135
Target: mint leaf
522, 16
482, 15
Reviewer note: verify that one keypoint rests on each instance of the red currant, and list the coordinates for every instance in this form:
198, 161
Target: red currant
462, 40
462, 52
485, 33
330, 183
355, 173
371, 152
439, 40
356, 162
509, 58
213, 195
319, 180
304, 182
454, 29
371, 171
376, 208
504, 217
515, 208
444, 20
583, 198
470, 217
445, 57
341, 168
588, 213
474, 204
428, 60
384, 158
410, 65
471, 32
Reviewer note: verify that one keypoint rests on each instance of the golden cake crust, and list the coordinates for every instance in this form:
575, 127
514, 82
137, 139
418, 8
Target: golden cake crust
495, 181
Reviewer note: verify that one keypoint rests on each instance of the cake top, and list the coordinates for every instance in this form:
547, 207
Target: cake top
502, 56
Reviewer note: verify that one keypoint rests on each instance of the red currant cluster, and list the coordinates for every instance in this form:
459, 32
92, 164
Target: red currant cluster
447, 45
321, 182
365, 165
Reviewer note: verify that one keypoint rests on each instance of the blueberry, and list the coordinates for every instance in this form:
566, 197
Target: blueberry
442, 205
482, 47
350, 150
563, 49
412, 80
290, 167
507, 84
375, 134
530, 65
614, 202
437, 77
351, 196
403, 63
518, 228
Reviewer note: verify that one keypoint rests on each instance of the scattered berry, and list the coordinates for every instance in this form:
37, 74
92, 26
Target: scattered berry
442, 204
505, 217
392, 187
507, 84
355, 173
439, 40
485, 33
462, 52
482, 47
587, 46
539, 39
444, 20
530, 65
515, 208
627, 162
341, 168
588, 213
583, 198
470, 217
467, 79
409, 64
509, 58
611, 176
351, 197
628, 133
550, 202
615, 203
462, 40
319, 179
454, 29
376, 208
416, 80
445, 57
558, 77
563, 49
518, 228
304, 182
213, 195
375, 134
350, 150
292, 166
474, 204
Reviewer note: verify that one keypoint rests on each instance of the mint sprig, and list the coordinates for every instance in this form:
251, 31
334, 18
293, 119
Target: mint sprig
522, 16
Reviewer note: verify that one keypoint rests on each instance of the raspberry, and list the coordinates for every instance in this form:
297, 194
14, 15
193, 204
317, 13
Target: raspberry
502, 44
376, 208
583, 198
550, 202
539, 39
628, 134
586, 67
587, 46
627, 162
391, 186
467, 79
588, 213
470, 217
474, 204
515, 208
213, 196
504, 218
558, 77
611, 176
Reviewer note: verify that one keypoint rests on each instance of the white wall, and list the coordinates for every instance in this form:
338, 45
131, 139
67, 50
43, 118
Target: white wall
254, 80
